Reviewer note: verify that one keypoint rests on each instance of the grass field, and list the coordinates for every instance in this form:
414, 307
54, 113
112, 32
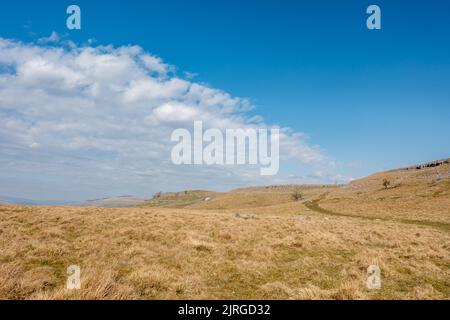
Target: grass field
254, 243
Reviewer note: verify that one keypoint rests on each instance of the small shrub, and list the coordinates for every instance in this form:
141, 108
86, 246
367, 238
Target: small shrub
296, 196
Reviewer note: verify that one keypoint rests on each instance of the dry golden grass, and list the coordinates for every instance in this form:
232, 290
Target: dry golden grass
247, 244
413, 194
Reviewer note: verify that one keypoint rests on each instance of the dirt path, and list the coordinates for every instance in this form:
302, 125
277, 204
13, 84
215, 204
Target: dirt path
314, 205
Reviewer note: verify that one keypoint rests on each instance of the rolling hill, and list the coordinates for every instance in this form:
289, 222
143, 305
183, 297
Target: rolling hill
249, 243
115, 202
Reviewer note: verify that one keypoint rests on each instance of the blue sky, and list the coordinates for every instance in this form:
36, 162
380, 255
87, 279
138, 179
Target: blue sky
371, 100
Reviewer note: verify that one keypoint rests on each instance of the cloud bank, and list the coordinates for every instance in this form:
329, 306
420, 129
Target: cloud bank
83, 121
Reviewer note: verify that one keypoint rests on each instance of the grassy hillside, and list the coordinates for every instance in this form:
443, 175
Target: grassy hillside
252, 243
414, 193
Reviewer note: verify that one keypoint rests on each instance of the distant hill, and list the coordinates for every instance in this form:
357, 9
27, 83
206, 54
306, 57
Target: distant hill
30, 202
113, 202
180, 199
407, 187
117, 202
417, 176
420, 192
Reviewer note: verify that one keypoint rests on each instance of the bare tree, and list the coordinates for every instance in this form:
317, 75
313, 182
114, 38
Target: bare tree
297, 195
157, 195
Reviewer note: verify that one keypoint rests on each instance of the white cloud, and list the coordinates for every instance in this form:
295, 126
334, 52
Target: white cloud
155, 64
53, 37
35, 145
176, 112
101, 107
